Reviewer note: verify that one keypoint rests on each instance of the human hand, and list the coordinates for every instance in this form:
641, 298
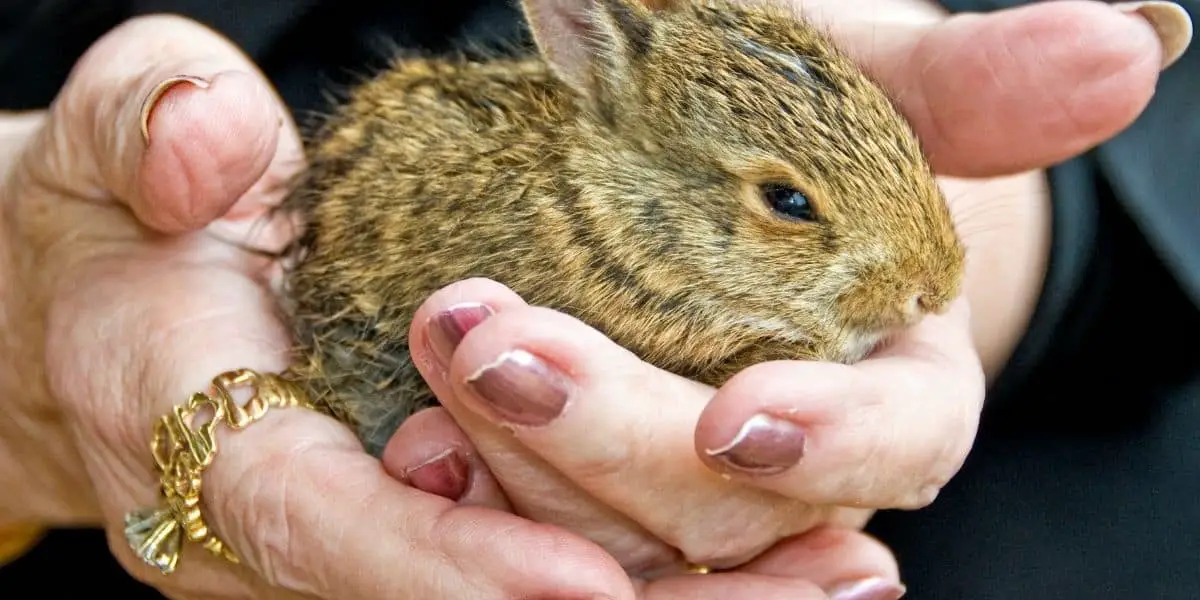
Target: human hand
124, 289
630, 455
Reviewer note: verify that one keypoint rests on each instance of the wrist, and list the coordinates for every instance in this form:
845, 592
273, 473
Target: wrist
24, 418
40, 470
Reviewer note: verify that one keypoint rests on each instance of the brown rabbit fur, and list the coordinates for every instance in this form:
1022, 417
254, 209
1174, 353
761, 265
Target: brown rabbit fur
619, 177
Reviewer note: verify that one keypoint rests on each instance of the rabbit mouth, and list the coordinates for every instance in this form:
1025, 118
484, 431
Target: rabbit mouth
861, 344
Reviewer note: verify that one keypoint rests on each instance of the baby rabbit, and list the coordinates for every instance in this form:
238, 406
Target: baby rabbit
710, 184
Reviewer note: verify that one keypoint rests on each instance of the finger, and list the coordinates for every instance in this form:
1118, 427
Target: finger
605, 423
847, 564
431, 453
888, 432
329, 521
215, 128
731, 586
1021, 88
535, 488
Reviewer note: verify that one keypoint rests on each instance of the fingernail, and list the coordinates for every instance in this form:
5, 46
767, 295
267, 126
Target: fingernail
1171, 23
158, 92
875, 588
522, 389
444, 475
764, 445
446, 329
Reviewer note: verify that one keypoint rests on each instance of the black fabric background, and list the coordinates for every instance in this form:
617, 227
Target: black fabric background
1085, 481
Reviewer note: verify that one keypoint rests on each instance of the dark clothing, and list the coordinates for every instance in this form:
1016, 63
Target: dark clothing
1085, 481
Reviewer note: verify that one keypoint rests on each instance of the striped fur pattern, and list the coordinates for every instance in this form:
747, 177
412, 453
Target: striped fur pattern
617, 175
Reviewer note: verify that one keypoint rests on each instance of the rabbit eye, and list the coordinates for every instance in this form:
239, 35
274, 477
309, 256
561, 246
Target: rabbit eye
788, 201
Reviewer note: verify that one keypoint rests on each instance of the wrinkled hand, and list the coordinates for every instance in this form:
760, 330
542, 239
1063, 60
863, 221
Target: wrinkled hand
661, 470
123, 289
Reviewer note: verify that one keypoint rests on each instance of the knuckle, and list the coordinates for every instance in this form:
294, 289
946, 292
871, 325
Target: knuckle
939, 466
606, 462
915, 488
949, 452
729, 538
937, 449
897, 449
924, 497
915, 495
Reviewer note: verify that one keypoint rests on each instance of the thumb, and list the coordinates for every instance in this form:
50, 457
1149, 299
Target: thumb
167, 117
1020, 88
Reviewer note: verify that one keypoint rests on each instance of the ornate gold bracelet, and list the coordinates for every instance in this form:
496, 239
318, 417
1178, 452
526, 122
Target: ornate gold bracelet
182, 450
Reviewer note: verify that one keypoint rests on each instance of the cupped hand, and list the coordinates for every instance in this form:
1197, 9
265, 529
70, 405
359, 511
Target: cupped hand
128, 211
121, 247
663, 471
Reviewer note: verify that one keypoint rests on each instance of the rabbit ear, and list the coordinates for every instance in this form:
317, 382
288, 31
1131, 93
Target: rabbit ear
583, 39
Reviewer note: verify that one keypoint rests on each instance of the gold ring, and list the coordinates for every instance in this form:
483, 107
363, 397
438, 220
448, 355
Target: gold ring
698, 569
182, 451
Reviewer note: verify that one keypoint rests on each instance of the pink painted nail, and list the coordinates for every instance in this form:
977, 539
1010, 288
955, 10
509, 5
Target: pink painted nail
522, 389
764, 445
446, 475
447, 328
